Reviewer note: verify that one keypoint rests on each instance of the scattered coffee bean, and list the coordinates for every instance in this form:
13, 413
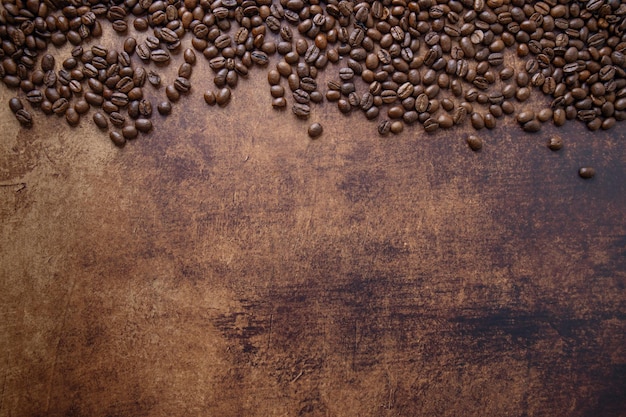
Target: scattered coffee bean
474, 142
555, 143
315, 130
587, 172
571, 53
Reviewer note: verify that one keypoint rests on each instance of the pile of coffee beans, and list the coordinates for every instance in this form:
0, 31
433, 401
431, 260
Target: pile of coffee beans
434, 63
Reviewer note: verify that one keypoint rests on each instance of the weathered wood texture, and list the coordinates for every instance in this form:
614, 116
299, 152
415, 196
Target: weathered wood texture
227, 265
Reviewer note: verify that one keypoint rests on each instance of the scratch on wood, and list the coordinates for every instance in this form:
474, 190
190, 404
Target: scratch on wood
56, 350
20, 185
297, 377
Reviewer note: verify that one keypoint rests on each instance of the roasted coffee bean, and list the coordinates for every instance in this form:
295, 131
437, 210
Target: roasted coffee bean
60, 106
100, 120
477, 121
172, 93
384, 127
209, 98
301, 110
278, 91
160, 56
431, 125
555, 143
474, 142
143, 125
129, 132
223, 96
15, 104
164, 108
315, 130
182, 84
587, 172
117, 119
24, 117
117, 138
532, 126
344, 106
72, 117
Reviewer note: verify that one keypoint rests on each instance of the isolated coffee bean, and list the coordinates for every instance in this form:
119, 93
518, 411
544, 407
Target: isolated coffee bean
587, 172
474, 142
315, 130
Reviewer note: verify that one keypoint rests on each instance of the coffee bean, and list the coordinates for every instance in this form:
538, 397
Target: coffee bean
301, 110
384, 127
474, 142
117, 138
587, 172
24, 117
277, 91
223, 96
100, 120
396, 127
129, 132
164, 108
532, 126
279, 103
525, 116
15, 104
555, 143
315, 130
209, 98
72, 117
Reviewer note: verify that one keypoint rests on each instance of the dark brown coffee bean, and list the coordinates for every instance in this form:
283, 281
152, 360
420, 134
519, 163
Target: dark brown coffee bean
559, 117
301, 110
587, 172
94, 99
172, 93
555, 143
209, 98
344, 106
129, 132
81, 106
117, 138
72, 117
100, 120
315, 130
273, 77
431, 125
525, 116
15, 104
60, 106
477, 121
24, 117
182, 84
164, 108
159, 56
143, 125
117, 119
154, 79
279, 103
384, 127
222, 97
474, 142
532, 126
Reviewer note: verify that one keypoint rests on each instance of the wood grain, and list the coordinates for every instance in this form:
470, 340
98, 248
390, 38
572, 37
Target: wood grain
227, 265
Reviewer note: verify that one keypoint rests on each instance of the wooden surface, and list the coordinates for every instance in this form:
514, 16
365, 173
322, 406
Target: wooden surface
227, 265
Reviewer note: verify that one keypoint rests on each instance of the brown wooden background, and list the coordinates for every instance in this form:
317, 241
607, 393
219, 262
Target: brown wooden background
227, 265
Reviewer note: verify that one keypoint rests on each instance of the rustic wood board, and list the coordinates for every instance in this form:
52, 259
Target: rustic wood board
227, 265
